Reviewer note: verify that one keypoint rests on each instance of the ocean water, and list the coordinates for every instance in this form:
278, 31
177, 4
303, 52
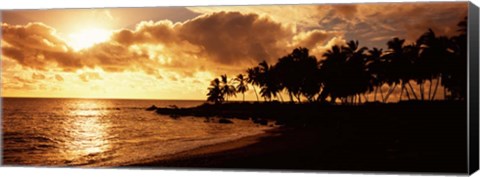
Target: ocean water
104, 132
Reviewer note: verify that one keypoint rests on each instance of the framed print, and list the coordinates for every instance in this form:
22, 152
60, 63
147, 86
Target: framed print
359, 87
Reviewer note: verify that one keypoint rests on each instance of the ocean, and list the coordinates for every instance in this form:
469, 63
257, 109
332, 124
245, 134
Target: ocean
105, 132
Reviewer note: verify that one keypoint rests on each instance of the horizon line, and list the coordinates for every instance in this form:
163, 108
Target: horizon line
103, 98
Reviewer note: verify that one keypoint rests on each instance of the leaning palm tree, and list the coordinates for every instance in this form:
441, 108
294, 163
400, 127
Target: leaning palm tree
454, 81
358, 78
332, 70
298, 74
269, 81
411, 70
253, 78
288, 71
394, 67
375, 67
436, 51
227, 88
215, 92
242, 86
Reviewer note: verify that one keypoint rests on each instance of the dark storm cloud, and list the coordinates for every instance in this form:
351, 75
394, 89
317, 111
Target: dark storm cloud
374, 24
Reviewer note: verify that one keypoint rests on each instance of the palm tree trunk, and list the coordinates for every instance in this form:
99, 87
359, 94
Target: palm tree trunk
291, 96
243, 96
359, 99
366, 98
436, 87
298, 98
430, 89
255, 90
389, 92
375, 94
444, 93
333, 99
322, 96
401, 92
422, 96
406, 92
413, 91
381, 93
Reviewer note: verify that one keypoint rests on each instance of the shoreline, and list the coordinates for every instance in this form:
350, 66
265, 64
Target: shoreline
209, 149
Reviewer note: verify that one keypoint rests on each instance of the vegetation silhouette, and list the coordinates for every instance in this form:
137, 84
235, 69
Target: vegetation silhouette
347, 73
242, 85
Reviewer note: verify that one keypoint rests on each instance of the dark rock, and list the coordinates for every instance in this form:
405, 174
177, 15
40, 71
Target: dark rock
279, 122
259, 121
151, 108
225, 121
262, 122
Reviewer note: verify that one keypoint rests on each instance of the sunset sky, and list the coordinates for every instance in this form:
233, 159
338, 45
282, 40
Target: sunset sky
174, 52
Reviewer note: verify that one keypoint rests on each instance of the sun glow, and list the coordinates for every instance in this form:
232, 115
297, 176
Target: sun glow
87, 38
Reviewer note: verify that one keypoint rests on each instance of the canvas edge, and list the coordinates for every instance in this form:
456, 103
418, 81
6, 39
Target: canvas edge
1, 97
473, 88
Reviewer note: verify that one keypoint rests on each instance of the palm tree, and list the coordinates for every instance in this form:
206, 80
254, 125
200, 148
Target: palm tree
331, 70
411, 69
242, 86
227, 88
253, 78
298, 73
454, 78
436, 51
358, 76
214, 92
269, 81
395, 65
289, 77
375, 65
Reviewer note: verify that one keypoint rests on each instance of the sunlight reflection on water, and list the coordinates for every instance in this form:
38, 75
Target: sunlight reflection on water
87, 134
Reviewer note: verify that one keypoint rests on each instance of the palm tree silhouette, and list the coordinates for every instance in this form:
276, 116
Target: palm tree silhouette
331, 71
227, 88
358, 76
215, 92
242, 86
395, 65
375, 66
435, 52
345, 74
454, 77
269, 81
298, 73
411, 69
253, 78
287, 71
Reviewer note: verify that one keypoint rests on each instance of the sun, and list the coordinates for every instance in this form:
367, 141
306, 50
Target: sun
87, 38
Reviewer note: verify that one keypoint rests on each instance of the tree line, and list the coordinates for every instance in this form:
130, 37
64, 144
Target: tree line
349, 72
